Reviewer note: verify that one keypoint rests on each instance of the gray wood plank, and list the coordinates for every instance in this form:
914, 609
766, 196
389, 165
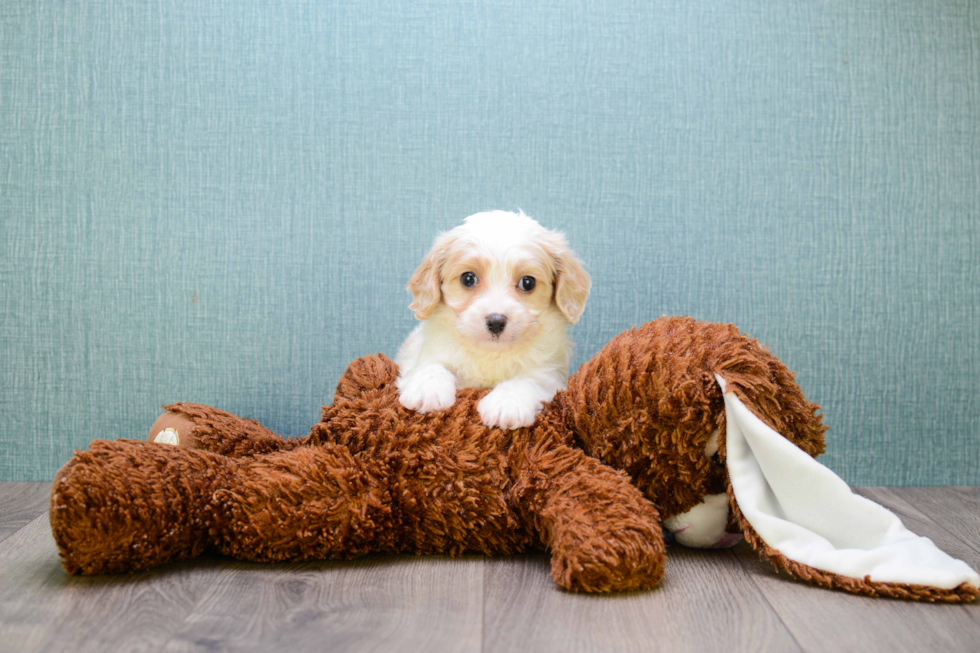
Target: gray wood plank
44, 609
378, 603
710, 600
957, 509
705, 603
20, 504
825, 620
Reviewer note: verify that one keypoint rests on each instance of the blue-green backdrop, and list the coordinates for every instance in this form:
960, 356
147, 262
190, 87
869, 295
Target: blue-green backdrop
222, 201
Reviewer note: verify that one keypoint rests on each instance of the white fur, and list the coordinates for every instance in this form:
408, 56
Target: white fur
706, 524
452, 348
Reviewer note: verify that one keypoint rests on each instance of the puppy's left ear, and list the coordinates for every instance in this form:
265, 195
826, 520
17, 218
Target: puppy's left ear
572, 282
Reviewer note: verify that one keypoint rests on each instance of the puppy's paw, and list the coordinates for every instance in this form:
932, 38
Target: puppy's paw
427, 389
508, 408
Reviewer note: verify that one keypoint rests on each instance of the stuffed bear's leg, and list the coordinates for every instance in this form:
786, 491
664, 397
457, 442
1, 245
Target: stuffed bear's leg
196, 426
602, 533
127, 505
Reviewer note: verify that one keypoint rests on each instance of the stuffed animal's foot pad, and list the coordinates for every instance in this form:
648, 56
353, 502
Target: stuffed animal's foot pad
172, 428
168, 435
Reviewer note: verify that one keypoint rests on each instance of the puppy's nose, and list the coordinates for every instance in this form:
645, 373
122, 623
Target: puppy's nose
496, 323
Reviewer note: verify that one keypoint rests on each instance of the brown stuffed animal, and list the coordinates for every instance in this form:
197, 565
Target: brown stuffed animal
374, 476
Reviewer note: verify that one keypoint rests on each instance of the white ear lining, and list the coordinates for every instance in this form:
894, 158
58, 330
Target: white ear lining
809, 514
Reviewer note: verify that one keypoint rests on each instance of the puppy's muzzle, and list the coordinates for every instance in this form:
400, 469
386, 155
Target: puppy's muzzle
496, 323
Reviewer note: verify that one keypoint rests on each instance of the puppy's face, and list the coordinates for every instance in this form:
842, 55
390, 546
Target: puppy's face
500, 274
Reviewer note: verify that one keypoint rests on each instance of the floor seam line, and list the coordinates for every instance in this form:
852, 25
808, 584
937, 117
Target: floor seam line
765, 598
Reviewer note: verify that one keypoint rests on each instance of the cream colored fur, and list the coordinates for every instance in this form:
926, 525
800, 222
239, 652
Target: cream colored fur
527, 362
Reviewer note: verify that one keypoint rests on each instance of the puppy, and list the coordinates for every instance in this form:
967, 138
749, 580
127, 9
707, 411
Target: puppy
495, 296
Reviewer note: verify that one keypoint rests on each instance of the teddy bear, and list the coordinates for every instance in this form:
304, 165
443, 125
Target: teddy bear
679, 426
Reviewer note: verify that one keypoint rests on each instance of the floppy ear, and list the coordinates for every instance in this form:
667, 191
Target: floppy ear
426, 283
572, 282
806, 521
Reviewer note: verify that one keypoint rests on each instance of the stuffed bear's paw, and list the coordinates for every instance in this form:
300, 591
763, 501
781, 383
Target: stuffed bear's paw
427, 389
609, 566
508, 407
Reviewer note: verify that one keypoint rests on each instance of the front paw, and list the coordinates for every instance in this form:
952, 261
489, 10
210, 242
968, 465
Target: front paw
428, 389
507, 409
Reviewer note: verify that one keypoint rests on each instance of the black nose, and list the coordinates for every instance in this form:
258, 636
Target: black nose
496, 323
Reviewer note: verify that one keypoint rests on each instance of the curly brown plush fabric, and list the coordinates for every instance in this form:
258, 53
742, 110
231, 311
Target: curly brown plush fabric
373, 476
648, 402
370, 476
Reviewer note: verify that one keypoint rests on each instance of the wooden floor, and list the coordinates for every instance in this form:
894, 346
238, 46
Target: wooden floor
710, 600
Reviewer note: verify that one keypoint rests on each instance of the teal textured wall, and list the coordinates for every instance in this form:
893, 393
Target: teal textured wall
222, 201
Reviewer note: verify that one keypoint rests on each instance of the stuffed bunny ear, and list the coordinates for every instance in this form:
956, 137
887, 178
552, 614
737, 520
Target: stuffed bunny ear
806, 521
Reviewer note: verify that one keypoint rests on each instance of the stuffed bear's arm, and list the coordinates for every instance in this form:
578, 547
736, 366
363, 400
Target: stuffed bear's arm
196, 426
602, 533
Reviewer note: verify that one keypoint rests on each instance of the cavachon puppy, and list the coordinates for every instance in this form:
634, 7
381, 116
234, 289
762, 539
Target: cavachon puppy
495, 296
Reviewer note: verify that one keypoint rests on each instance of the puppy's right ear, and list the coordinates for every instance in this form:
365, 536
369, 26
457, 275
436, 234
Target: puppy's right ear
426, 284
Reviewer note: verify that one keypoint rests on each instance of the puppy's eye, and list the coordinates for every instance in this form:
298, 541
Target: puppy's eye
468, 279
526, 284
